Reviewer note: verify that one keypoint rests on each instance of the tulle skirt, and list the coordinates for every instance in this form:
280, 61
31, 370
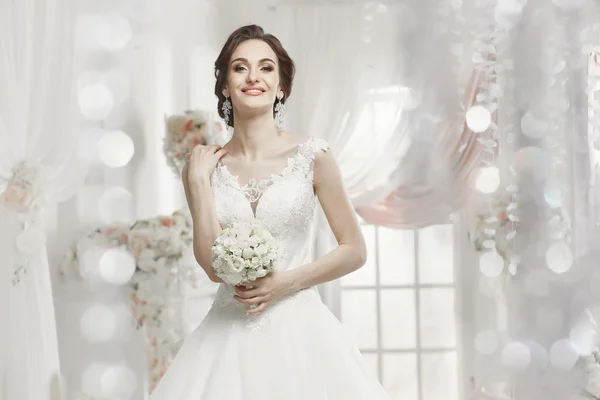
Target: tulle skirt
295, 350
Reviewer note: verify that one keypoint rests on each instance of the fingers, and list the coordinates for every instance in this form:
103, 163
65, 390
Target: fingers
258, 309
213, 148
206, 149
246, 294
220, 153
252, 301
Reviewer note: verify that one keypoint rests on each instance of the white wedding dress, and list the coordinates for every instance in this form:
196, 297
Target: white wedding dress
296, 349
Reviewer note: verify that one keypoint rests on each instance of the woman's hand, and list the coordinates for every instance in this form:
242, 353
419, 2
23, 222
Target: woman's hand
203, 161
264, 291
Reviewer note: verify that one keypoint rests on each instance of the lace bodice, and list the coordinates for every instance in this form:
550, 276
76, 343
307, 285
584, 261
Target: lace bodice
284, 203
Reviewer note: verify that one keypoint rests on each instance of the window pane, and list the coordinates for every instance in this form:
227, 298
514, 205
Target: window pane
398, 319
364, 276
437, 317
436, 256
396, 256
400, 376
439, 372
359, 314
371, 359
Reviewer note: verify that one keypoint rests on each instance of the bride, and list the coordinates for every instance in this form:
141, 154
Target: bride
275, 340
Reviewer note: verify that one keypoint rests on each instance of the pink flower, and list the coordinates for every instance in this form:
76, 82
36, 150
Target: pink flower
138, 244
17, 197
166, 222
502, 216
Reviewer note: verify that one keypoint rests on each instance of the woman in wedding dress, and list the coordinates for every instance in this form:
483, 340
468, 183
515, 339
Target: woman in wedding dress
275, 340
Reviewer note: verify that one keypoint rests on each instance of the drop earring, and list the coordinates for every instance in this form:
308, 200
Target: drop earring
279, 111
226, 108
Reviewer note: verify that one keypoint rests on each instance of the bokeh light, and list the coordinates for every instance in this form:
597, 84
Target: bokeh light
491, 264
98, 324
117, 266
96, 102
488, 179
559, 257
515, 355
478, 119
113, 31
115, 149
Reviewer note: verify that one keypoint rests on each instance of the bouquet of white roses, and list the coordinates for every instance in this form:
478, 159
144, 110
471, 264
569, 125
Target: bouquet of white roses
243, 253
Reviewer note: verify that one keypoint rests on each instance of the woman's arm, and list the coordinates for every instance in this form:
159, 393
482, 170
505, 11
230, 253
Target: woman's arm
206, 226
351, 252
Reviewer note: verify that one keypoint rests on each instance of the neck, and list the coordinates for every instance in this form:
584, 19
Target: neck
250, 134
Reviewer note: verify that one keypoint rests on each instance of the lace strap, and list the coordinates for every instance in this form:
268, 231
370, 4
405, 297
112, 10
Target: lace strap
306, 156
314, 145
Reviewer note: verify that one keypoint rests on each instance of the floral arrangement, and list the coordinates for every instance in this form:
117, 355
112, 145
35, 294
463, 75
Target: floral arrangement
23, 188
592, 371
495, 228
183, 133
158, 246
243, 253
23, 193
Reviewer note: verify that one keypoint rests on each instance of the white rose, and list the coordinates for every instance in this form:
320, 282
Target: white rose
233, 278
230, 264
238, 264
248, 253
261, 250
265, 235
252, 275
254, 241
237, 250
255, 261
218, 250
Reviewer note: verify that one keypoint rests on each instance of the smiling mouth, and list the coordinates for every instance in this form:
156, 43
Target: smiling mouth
253, 92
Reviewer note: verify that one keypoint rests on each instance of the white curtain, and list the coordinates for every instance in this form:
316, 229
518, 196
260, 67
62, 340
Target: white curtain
37, 168
346, 64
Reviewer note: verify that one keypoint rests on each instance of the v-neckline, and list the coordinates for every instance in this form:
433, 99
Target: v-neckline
270, 182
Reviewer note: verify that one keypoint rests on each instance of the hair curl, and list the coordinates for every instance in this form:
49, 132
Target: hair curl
287, 69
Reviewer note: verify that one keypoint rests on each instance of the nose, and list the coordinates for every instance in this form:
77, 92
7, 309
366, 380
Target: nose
251, 76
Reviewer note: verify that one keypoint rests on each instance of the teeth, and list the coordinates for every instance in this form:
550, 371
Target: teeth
253, 91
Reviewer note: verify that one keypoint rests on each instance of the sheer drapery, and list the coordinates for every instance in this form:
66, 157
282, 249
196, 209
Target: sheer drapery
37, 168
344, 61
432, 198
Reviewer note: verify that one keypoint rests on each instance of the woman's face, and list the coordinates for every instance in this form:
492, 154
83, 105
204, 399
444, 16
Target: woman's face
253, 76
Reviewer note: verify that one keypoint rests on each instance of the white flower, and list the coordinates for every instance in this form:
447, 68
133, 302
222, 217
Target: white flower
261, 250
229, 242
254, 241
248, 253
244, 252
237, 250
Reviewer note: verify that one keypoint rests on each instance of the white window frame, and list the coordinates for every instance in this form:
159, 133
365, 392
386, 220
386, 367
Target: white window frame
334, 295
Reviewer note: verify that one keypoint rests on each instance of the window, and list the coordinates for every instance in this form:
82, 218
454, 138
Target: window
400, 308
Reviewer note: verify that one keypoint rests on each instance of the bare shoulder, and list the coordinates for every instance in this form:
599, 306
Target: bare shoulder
326, 169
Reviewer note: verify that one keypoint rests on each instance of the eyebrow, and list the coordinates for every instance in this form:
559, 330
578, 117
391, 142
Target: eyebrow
262, 60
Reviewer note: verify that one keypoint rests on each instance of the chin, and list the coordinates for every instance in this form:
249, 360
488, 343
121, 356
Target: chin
254, 104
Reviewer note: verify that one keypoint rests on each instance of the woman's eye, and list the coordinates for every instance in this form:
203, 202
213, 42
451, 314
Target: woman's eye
268, 68
238, 68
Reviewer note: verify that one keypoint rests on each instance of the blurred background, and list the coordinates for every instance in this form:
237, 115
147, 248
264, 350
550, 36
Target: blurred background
467, 134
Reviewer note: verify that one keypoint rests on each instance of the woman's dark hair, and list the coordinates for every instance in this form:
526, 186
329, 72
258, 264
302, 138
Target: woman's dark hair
287, 68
